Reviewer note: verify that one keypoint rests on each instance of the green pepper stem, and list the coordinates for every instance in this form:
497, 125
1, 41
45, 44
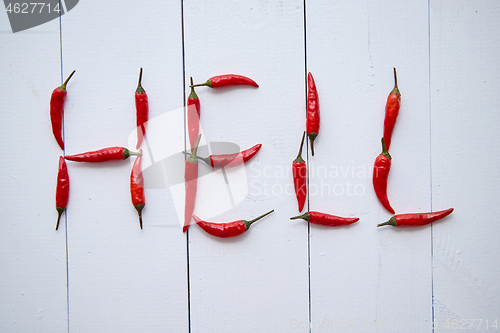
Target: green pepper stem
299, 155
249, 223
312, 137
396, 89
384, 150
204, 159
304, 216
63, 86
192, 95
194, 158
395, 78
140, 89
139, 211
134, 153
59, 213
392, 222
208, 83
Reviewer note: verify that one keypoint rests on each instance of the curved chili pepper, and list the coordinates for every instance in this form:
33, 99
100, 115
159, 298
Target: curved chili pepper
229, 229
142, 108
57, 109
62, 189
312, 123
103, 155
416, 219
191, 185
193, 116
137, 187
226, 80
381, 169
391, 111
230, 160
326, 219
299, 170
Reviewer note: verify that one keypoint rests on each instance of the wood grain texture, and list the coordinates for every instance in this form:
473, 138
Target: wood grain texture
464, 85
33, 254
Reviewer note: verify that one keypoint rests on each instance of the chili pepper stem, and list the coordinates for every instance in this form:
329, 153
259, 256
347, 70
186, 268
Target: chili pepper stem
208, 83
384, 150
139, 211
140, 89
204, 159
303, 216
249, 223
299, 158
392, 222
194, 158
312, 137
134, 153
396, 89
127, 153
63, 86
193, 93
59, 213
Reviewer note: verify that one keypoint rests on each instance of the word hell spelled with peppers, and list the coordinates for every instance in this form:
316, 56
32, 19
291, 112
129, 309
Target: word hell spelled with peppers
381, 166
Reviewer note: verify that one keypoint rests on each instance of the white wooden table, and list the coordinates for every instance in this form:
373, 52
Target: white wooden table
100, 273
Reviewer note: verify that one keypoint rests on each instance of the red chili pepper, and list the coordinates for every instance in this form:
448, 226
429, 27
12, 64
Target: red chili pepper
142, 108
62, 189
193, 116
416, 219
299, 169
381, 169
103, 155
191, 185
229, 229
391, 111
326, 219
137, 187
230, 160
56, 110
226, 80
312, 123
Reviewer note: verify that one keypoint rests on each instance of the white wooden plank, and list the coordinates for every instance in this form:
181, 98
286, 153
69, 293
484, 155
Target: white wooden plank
231, 279
464, 86
33, 254
123, 278
362, 276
